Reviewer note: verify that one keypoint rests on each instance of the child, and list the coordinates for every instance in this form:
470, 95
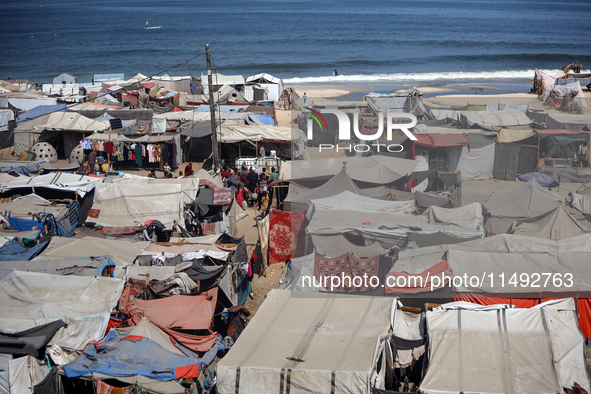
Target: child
265, 204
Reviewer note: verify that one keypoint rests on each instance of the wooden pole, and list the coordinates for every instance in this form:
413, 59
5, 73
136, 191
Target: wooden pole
214, 135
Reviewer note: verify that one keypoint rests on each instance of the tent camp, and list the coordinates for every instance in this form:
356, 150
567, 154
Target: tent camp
537, 350
317, 343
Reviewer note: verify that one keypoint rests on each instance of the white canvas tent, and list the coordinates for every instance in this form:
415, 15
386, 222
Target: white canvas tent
130, 204
317, 343
493, 120
497, 349
190, 186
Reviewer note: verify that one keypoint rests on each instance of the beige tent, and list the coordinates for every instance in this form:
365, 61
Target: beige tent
498, 349
317, 343
556, 224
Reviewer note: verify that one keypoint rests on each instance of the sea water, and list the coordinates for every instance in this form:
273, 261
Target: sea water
383, 41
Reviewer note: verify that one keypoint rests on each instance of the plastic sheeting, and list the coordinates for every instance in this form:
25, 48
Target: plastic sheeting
477, 163
190, 186
469, 216
536, 350
493, 120
30, 299
562, 91
85, 266
131, 356
513, 159
348, 201
14, 251
126, 204
324, 343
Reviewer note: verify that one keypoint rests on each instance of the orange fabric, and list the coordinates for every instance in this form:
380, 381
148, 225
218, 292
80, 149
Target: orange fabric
177, 311
425, 284
189, 371
584, 312
196, 343
583, 306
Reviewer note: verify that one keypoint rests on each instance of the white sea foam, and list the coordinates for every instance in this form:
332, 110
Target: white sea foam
497, 76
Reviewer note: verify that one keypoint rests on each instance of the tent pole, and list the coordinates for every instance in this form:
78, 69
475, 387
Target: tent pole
214, 137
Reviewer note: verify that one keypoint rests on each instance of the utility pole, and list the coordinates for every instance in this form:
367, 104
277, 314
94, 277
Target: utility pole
214, 133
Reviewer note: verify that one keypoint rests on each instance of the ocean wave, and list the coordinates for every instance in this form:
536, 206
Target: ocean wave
468, 76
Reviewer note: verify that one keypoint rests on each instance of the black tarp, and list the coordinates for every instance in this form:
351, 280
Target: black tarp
513, 159
30, 342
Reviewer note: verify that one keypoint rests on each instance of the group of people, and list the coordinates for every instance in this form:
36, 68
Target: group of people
252, 185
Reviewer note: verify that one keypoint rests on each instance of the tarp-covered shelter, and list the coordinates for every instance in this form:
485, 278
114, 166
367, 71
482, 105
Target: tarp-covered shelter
556, 224
370, 171
387, 229
493, 120
317, 343
298, 197
442, 152
528, 200
82, 266
565, 148
537, 350
40, 110
515, 153
133, 203
568, 121
30, 299
121, 252
34, 212
190, 186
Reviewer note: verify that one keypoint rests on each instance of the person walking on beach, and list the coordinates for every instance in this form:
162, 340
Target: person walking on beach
305, 97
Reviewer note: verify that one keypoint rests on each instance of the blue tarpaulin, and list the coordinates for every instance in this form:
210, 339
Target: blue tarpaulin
14, 251
20, 167
544, 180
132, 356
40, 110
24, 225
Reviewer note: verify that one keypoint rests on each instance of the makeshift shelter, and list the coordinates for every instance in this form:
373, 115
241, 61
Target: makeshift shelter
349, 201
565, 148
319, 343
581, 200
24, 101
570, 91
39, 111
536, 350
31, 299
388, 229
273, 85
476, 163
556, 224
122, 253
493, 120
133, 203
568, 121
526, 201
56, 186
290, 100
84, 266
298, 197
34, 212
190, 186
442, 151
366, 172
